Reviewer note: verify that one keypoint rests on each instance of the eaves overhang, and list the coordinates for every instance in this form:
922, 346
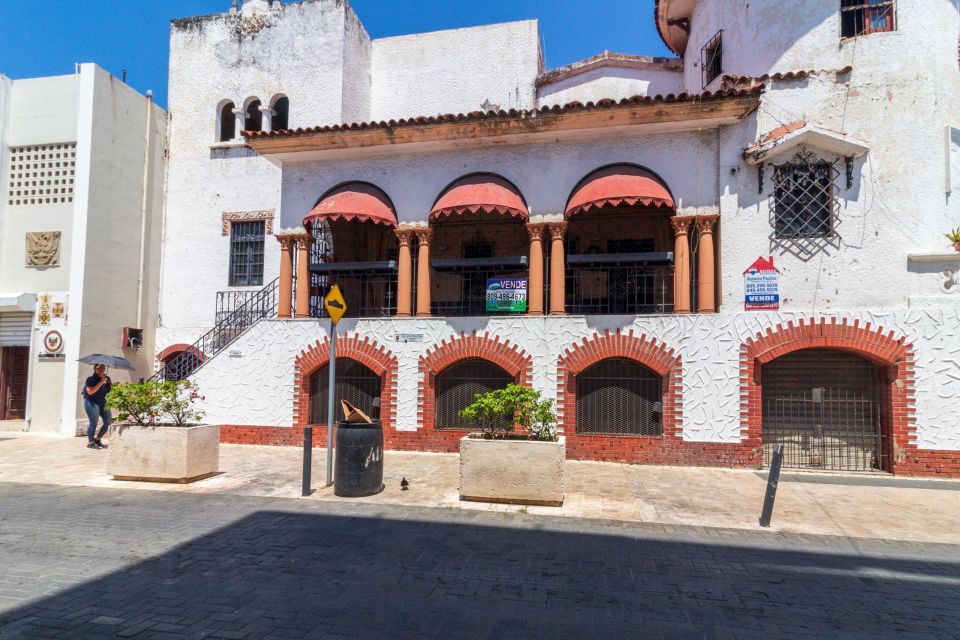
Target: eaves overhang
716, 108
672, 18
795, 135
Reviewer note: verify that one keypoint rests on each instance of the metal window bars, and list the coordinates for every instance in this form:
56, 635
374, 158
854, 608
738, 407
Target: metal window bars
805, 197
619, 283
711, 59
355, 383
863, 17
458, 385
246, 253
618, 396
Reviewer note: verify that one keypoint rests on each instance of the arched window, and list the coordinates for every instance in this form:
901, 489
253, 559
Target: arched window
618, 396
281, 114
457, 385
355, 383
226, 122
253, 119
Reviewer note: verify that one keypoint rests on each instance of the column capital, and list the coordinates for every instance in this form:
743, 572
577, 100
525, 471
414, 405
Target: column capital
557, 229
536, 229
404, 235
705, 223
681, 224
424, 235
287, 240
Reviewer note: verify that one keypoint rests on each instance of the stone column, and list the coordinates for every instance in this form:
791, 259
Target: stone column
681, 263
303, 275
423, 271
706, 266
558, 283
266, 117
240, 123
535, 285
404, 274
286, 274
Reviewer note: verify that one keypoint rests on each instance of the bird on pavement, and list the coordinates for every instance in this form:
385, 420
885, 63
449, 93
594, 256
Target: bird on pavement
404, 485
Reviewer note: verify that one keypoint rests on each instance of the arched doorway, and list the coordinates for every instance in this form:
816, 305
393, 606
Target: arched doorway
457, 385
354, 383
826, 407
619, 396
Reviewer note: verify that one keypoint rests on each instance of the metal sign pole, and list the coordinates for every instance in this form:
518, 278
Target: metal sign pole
772, 481
332, 371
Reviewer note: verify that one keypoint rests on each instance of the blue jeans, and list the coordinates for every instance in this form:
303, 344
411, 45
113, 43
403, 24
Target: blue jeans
94, 413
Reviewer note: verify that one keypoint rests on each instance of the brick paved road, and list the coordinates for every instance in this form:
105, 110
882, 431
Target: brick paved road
79, 563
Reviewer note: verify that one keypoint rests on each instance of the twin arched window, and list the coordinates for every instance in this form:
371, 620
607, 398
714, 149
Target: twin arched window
278, 117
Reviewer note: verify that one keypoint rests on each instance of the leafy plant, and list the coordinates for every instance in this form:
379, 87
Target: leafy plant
953, 235
498, 412
152, 402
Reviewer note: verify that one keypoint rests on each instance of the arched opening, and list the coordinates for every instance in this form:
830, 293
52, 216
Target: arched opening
354, 383
619, 396
479, 242
457, 385
354, 246
253, 118
281, 114
179, 361
826, 407
619, 243
226, 122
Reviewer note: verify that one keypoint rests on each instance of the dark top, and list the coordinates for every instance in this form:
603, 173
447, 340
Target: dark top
100, 397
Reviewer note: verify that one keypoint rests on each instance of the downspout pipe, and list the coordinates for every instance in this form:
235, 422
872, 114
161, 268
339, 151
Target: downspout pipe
143, 207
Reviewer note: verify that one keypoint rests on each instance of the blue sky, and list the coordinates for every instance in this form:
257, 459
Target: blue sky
46, 37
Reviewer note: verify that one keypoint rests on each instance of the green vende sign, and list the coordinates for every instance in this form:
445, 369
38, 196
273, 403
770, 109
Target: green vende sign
507, 295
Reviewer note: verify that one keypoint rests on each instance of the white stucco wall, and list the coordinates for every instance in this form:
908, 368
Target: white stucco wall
610, 82
255, 385
456, 71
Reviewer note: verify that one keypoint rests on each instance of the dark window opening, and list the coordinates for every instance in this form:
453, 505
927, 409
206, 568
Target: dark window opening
246, 253
711, 59
862, 17
281, 116
354, 383
803, 199
647, 245
228, 123
457, 385
619, 396
254, 119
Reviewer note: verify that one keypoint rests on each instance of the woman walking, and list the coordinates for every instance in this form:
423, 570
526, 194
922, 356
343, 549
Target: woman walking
95, 404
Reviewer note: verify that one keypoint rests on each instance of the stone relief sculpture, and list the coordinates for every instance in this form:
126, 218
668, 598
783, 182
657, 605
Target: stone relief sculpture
43, 249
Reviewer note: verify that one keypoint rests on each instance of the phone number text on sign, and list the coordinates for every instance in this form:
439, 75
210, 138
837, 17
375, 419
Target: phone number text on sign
507, 294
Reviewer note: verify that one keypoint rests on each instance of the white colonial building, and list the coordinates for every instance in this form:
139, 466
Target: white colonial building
698, 257
82, 165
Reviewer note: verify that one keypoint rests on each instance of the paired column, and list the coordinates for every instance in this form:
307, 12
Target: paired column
535, 286
423, 271
558, 281
303, 275
706, 265
287, 243
681, 263
404, 274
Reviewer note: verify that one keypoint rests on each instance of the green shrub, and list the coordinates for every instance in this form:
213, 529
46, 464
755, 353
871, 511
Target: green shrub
153, 402
498, 412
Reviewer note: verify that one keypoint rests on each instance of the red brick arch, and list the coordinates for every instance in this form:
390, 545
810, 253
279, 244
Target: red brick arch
654, 355
365, 351
882, 348
502, 353
176, 349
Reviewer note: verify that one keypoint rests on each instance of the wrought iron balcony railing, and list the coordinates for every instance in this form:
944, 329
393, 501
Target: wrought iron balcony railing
460, 285
629, 283
370, 288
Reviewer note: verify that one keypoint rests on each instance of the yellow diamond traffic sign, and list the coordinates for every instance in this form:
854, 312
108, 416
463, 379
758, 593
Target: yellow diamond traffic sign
335, 304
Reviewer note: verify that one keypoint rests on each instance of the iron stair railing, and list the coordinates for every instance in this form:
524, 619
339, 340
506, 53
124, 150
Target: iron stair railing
230, 324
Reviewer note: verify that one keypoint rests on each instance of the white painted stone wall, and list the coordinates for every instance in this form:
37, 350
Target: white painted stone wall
255, 385
610, 82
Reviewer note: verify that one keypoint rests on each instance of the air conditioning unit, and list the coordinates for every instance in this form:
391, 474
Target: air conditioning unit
132, 339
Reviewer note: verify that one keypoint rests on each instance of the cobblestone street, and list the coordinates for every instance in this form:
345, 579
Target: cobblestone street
90, 563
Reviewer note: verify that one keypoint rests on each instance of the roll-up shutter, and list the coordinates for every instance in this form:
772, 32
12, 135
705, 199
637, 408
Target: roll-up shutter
15, 329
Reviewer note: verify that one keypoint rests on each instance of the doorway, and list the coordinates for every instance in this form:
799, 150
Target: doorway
14, 363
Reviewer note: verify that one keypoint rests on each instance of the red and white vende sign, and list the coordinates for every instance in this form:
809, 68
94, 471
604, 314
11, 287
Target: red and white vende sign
761, 286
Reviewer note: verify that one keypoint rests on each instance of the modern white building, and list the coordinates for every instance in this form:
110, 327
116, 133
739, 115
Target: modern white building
697, 257
82, 160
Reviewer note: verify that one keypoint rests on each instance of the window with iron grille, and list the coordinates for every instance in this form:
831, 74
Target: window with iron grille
457, 385
355, 383
863, 17
803, 198
619, 396
246, 253
711, 59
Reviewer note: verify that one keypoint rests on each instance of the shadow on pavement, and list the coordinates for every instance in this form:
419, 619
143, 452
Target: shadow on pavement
321, 575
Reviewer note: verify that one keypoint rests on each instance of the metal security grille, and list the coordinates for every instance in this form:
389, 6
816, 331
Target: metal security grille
246, 253
355, 383
804, 197
824, 407
862, 17
457, 385
711, 59
618, 396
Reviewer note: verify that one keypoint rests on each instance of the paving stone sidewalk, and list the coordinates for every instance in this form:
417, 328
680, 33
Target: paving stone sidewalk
100, 563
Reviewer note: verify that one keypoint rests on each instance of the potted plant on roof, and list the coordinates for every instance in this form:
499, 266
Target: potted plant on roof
159, 437
517, 456
954, 237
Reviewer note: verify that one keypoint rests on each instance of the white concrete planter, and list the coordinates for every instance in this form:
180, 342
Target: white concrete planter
163, 453
512, 471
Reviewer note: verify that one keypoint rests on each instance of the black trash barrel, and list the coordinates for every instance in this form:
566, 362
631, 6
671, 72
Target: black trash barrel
358, 460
